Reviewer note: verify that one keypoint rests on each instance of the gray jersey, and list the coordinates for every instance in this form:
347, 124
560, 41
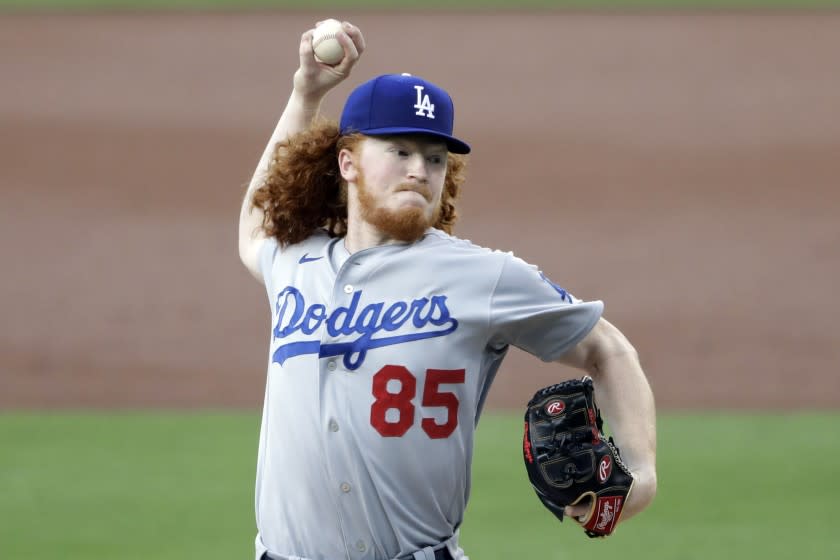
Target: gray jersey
378, 366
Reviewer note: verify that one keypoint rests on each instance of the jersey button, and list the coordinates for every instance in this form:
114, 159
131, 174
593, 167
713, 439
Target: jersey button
348, 289
345, 487
331, 365
361, 546
333, 426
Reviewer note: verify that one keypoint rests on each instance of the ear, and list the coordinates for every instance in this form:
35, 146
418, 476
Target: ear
347, 165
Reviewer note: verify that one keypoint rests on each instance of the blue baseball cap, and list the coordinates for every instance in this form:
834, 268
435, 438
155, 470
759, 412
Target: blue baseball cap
401, 104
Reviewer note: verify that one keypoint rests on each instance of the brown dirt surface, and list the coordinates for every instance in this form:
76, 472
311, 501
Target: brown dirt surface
683, 168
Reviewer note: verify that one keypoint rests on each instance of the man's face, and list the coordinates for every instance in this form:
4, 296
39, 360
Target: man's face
399, 181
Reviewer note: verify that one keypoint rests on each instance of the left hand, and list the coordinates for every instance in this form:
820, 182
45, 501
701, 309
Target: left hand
642, 494
578, 511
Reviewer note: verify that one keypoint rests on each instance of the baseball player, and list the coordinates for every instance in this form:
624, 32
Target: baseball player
386, 331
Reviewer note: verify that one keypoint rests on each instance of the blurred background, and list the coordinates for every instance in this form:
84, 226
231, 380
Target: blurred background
676, 160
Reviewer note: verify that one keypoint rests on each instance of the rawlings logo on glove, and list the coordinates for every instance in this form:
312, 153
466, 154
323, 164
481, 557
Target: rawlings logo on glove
569, 460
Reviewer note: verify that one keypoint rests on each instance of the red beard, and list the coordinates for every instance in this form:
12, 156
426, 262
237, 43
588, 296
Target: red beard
406, 224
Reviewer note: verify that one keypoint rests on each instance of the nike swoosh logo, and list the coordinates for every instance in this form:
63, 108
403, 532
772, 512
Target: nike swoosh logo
305, 259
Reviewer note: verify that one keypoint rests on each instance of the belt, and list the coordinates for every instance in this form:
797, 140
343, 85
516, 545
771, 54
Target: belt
439, 554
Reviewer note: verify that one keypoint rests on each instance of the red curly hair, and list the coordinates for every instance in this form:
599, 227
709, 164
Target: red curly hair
304, 191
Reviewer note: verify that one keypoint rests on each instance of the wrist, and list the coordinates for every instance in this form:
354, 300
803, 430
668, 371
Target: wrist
307, 101
643, 492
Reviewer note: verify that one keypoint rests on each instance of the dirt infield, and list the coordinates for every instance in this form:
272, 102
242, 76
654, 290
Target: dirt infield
684, 169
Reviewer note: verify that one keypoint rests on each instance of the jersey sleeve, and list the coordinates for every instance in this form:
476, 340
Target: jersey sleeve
268, 254
529, 311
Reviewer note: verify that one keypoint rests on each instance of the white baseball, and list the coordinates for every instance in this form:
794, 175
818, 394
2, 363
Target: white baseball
327, 48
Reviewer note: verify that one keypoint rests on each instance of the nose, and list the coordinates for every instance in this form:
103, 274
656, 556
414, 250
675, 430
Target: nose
417, 168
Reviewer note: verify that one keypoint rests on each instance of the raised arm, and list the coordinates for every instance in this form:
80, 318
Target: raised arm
312, 81
626, 401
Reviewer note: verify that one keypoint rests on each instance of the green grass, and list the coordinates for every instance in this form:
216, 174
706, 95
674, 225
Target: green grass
405, 4
127, 486
180, 485
731, 486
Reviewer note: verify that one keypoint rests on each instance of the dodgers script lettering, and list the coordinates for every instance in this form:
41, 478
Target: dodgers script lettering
426, 317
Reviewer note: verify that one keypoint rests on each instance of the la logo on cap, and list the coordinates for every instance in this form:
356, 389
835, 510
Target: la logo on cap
425, 108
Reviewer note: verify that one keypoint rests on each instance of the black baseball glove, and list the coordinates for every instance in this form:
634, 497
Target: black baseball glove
570, 461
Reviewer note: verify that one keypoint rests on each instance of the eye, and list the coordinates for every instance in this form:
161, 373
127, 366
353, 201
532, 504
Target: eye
435, 159
402, 153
